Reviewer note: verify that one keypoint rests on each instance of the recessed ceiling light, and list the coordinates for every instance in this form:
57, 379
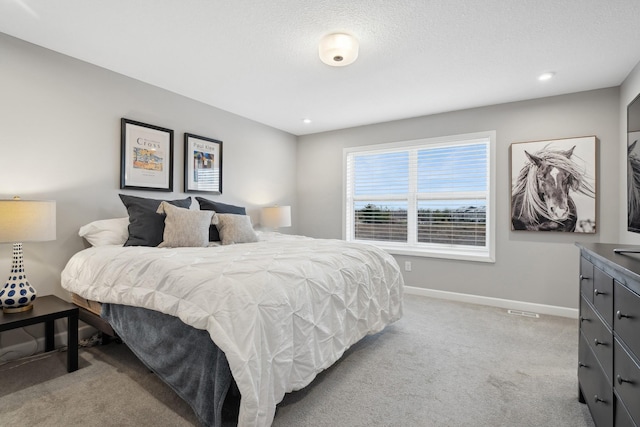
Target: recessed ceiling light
306, 121
546, 76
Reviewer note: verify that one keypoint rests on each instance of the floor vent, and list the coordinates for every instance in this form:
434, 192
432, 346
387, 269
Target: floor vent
523, 313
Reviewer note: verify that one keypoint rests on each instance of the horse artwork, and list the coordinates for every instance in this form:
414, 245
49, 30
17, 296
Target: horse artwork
633, 188
633, 166
554, 190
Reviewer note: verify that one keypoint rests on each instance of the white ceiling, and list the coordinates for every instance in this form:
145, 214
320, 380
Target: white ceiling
259, 59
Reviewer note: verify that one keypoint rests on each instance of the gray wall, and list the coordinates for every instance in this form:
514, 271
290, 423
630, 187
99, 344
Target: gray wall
60, 140
532, 267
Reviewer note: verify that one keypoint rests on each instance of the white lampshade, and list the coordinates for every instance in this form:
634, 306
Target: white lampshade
27, 220
276, 216
338, 49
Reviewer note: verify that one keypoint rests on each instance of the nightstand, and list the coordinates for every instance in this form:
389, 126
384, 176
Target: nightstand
46, 310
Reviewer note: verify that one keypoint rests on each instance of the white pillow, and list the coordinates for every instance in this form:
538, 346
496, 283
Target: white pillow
184, 227
235, 229
106, 232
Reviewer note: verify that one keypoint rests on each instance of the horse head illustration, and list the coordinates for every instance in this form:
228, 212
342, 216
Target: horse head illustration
541, 196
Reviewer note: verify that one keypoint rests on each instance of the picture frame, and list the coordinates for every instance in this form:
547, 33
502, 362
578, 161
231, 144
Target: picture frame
553, 185
633, 165
202, 164
146, 160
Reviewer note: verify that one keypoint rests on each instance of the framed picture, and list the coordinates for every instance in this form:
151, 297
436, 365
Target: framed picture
633, 166
146, 157
553, 185
202, 164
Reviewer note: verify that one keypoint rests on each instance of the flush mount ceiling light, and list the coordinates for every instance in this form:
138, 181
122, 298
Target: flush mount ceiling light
338, 49
546, 76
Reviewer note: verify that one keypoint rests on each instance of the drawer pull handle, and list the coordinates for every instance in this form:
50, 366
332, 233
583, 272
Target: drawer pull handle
583, 277
620, 315
582, 365
597, 399
599, 342
623, 380
597, 292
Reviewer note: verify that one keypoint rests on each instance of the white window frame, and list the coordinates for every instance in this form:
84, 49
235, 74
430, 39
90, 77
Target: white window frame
457, 252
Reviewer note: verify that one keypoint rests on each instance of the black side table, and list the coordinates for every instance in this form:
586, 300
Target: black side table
46, 310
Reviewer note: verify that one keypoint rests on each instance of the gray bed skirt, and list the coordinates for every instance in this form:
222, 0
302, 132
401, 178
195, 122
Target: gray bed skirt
183, 357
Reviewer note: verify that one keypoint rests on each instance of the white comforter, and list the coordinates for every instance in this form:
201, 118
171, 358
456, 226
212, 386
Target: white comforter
282, 309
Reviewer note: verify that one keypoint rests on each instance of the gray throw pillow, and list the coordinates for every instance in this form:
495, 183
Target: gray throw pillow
145, 225
221, 208
235, 229
184, 227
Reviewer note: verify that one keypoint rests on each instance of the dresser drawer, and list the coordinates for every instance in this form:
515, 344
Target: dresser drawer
595, 388
603, 295
627, 317
587, 362
598, 336
586, 279
627, 380
623, 419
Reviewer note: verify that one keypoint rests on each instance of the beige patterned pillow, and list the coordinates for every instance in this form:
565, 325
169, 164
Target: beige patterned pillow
235, 229
185, 227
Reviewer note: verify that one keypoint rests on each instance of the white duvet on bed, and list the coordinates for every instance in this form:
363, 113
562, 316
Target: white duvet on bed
282, 309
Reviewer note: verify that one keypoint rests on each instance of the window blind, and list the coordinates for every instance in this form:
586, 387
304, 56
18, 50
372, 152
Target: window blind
419, 195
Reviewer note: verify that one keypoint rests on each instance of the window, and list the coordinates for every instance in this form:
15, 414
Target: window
430, 197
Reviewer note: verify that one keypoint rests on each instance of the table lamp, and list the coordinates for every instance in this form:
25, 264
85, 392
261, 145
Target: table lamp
23, 221
276, 216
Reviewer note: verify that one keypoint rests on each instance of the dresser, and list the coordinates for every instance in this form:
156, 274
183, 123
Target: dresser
609, 338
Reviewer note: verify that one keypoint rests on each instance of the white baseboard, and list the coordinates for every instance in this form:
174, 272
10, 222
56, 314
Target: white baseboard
36, 345
550, 310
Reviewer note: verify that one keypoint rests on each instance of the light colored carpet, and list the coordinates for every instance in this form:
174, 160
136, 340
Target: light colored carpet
444, 364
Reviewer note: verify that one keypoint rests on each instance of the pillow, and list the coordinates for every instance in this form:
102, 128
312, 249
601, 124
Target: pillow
208, 205
235, 229
184, 227
106, 232
145, 225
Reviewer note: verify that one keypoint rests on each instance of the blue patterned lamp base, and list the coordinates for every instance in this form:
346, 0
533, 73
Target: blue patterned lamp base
17, 294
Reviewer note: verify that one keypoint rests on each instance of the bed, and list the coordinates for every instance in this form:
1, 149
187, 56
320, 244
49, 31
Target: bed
267, 315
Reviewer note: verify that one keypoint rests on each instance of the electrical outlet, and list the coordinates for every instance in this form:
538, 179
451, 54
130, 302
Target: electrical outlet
407, 266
